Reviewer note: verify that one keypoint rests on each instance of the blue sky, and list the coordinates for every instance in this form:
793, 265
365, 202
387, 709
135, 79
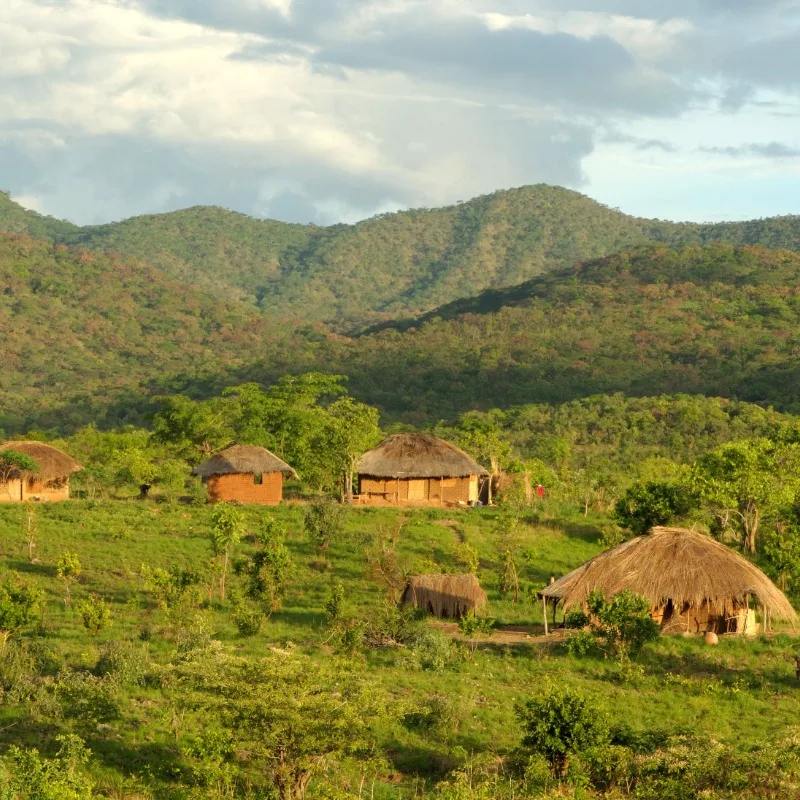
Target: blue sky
335, 110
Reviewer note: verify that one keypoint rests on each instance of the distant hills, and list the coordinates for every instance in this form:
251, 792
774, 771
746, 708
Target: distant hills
94, 321
394, 265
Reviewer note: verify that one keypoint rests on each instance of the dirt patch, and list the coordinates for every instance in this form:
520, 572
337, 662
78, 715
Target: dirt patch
505, 634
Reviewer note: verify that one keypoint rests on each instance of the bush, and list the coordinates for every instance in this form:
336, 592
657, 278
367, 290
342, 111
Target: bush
432, 651
323, 523
559, 724
575, 619
653, 503
124, 663
95, 614
86, 698
623, 625
248, 619
581, 643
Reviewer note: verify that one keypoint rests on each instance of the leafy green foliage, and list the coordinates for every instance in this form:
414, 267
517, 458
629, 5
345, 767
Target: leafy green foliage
288, 715
323, 522
622, 625
645, 505
227, 528
24, 774
95, 614
560, 724
68, 570
19, 603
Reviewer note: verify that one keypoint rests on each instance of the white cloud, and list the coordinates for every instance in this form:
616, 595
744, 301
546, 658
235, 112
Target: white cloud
335, 109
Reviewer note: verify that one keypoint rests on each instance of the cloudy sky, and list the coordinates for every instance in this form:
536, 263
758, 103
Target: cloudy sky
334, 110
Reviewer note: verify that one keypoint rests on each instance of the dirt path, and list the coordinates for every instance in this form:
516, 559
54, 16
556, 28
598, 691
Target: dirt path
505, 634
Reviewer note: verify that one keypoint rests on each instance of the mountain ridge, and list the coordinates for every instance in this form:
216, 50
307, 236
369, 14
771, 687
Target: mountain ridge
398, 264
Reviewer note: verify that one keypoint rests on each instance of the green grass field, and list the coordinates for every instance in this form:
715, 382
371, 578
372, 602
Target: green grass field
742, 694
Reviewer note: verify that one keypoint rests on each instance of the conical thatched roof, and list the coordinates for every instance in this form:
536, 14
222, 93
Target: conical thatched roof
417, 455
52, 462
445, 595
684, 566
242, 459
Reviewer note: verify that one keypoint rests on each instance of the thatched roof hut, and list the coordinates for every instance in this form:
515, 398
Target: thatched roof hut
244, 474
49, 483
445, 595
242, 459
418, 468
52, 463
417, 455
691, 581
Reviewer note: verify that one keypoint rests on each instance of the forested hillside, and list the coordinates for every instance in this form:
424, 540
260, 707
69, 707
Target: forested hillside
401, 264
710, 320
82, 332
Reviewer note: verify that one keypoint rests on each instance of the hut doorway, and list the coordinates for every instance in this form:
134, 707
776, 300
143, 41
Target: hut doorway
416, 490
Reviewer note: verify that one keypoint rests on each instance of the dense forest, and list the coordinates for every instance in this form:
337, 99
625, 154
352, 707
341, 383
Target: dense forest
90, 337
398, 264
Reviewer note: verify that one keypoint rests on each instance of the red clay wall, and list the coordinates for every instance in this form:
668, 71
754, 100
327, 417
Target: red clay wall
242, 487
16, 491
413, 492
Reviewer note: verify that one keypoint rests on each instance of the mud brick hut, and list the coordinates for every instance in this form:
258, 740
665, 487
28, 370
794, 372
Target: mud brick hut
694, 584
246, 474
450, 596
50, 482
420, 470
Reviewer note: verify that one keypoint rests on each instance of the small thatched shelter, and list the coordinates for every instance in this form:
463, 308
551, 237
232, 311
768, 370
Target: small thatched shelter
49, 483
445, 595
244, 473
418, 469
693, 583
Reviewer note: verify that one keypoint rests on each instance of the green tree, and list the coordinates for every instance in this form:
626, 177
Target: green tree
19, 604
323, 521
68, 569
196, 429
354, 430
645, 505
561, 723
267, 571
745, 483
481, 434
227, 529
95, 614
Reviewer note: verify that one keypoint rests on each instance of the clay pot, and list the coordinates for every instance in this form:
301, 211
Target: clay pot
711, 638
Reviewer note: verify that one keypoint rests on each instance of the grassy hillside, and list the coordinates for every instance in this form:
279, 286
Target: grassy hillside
686, 720
393, 265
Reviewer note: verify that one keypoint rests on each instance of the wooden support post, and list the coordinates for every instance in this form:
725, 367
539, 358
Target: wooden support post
544, 608
441, 491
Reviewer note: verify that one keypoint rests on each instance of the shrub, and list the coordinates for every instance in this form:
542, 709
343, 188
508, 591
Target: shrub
248, 619
95, 614
25, 774
559, 724
432, 651
623, 625
86, 698
575, 619
19, 604
653, 503
323, 523
581, 643
174, 587
124, 663
467, 557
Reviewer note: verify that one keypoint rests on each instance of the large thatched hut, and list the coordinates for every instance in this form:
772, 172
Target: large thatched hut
418, 469
693, 583
246, 474
49, 483
444, 595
